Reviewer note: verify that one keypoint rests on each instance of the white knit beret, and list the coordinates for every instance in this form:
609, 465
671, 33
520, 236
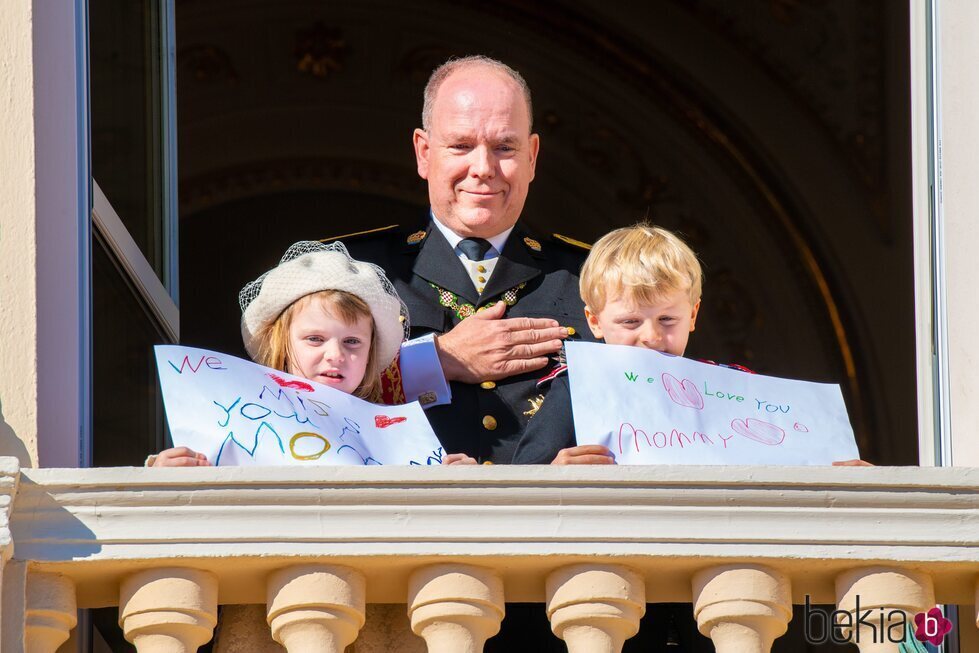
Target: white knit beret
308, 267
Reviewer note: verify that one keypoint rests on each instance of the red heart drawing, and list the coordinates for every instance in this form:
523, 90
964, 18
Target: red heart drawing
295, 385
759, 431
684, 393
383, 421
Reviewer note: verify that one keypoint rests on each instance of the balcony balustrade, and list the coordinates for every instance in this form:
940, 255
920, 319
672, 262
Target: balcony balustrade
594, 544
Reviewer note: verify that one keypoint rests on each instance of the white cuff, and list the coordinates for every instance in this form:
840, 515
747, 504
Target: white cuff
421, 373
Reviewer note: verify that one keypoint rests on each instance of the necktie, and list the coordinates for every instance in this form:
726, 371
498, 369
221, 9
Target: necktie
474, 248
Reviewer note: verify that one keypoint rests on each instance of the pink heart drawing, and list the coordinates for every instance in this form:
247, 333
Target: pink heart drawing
801, 428
383, 421
759, 431
683, 393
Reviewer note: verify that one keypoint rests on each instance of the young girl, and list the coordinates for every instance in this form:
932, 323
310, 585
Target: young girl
324, 316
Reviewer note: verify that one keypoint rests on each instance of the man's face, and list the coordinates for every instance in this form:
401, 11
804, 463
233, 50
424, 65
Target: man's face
478, 154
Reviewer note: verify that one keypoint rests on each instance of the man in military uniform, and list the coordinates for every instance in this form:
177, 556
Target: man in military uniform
497, 299
491, 301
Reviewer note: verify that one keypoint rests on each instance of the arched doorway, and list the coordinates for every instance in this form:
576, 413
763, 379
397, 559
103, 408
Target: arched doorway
760, 134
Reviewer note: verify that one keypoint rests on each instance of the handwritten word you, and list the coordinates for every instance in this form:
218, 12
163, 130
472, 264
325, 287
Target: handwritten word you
273, 406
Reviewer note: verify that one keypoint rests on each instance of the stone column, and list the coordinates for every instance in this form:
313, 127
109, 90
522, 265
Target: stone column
50, 612
595, 608
168, 610
316, 608
891, 596
455, 608
742, 608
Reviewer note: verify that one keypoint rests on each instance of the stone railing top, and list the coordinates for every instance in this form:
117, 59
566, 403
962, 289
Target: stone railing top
665, 521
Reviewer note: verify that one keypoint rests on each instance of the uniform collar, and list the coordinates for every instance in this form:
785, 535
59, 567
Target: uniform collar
497, 242
439, 264
515, 267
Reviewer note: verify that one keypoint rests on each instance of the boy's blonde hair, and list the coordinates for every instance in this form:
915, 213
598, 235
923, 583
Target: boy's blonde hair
274, 348
641, 263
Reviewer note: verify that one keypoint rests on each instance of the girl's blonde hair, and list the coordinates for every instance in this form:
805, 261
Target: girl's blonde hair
642, 263
274, 348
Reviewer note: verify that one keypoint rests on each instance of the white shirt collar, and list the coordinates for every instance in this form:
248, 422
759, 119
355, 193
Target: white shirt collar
497, 242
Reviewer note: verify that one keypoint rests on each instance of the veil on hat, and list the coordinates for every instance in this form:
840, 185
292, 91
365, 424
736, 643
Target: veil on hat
310, 266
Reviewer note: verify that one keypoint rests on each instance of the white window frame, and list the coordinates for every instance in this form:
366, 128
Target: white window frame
119, 241
934, 433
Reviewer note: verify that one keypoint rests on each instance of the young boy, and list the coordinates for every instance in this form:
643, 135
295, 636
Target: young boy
641, 287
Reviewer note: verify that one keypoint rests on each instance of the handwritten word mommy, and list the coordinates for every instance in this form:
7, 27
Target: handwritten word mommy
675, 439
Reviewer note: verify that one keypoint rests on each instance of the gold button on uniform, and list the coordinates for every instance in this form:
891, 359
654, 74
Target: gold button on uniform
571, 331
480, 289
481, 268
489, 422
481, 279
487, 385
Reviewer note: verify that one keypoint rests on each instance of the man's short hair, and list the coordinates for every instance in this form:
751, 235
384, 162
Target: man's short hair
641, 263
441, 73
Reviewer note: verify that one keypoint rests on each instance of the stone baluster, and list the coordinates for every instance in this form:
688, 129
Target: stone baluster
455, 608
316, 608
891, 596
168, 610
742, 608
595, 608
50, 612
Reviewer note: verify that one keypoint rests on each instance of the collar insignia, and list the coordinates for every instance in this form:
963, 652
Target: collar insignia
416, 237
531, 243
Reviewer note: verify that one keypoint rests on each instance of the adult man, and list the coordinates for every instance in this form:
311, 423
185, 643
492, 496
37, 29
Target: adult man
477, 151
472, 262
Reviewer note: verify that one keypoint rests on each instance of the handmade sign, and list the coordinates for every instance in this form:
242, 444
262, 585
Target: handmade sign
239, 413
653, 408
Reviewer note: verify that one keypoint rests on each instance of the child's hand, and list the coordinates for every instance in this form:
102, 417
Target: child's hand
181, 457
458, 459
585, 454
852, 463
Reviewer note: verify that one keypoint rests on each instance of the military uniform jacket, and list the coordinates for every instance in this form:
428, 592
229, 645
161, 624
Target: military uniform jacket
552, 428
483, 420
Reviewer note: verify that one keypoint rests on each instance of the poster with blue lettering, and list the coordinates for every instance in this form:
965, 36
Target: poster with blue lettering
654, 408
240, 413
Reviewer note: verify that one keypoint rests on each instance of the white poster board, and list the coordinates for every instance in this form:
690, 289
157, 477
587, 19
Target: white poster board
653, 408
239, 413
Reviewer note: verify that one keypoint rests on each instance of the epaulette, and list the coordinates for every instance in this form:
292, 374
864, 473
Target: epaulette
358, 233
571, 241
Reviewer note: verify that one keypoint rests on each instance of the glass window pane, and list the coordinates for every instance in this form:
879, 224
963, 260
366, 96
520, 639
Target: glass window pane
127, 111
127, 410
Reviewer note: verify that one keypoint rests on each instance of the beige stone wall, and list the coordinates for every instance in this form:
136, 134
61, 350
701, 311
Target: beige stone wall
18, 364
959, 23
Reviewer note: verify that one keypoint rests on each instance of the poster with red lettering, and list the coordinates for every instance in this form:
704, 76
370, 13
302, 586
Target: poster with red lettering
654, 408
240, 413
